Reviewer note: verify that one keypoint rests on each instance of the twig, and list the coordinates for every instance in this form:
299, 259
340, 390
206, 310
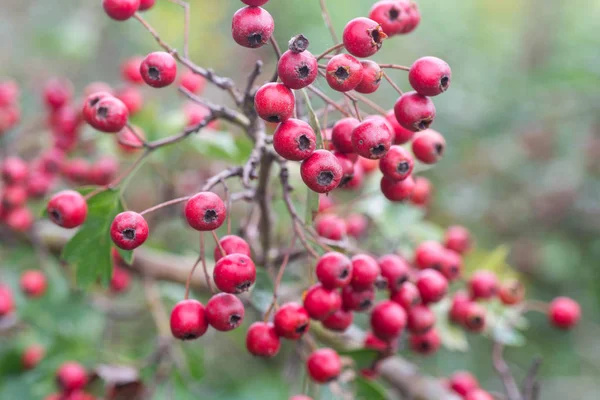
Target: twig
186, 25
392, 83
328, 100
394, 66
329, 50
263, 198
508, 380
219, 111
530, 382
249, 171
327, 19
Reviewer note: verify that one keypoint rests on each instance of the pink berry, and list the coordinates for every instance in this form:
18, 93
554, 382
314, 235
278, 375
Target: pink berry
459, 307
357, 300
372, 138
71, 377
120, 280
252, 27
108, 114
388, 320
146, 5
33, 283
343, 72
483, 285
294, 140
458, 238
392, 15
19, 219
427, 343
188, 320
357, 225
371, 77
205, 211
428, 146
102, 171
334, 270
120, 10
274, 102
462, 382
13, 196
432, 286
324, 365
397, 164
224, 312
234, 273
331, 227
365, 271
395, 270
321, 172
129, 230
430, 76
57, 93
261, 340
32, 356
511, 292
158, 69
130, 70
231, 244
475, 317
341, 135
414, 111
320, 302
420, 319
14, 170
407, 296
67, 209
564, 313
291, 321
451, 264
192, 81
339, 321
478, 394
7, 303
130, 142
363, 37
9, 93
429, 255
397, 190
297, 70
132, 98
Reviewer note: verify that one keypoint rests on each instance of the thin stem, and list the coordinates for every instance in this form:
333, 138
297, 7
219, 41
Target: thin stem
508, 380
165, 204
357, 111
328, 100
275, 47
189, 278
394, 66
186, 25
204, 268
218, 243
227, 204
329, 50
327, 19
391, 82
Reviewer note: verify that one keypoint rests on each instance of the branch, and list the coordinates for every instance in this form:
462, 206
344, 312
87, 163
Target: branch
508, 380
327, 19
530, 384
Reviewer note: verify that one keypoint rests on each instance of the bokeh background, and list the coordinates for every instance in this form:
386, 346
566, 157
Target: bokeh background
522, 169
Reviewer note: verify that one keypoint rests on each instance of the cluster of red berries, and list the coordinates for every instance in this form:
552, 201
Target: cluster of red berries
71, 378
10, 109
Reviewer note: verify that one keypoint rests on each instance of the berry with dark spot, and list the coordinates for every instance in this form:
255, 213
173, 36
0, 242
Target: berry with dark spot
13, 196
365, 271
19, 219
224, 312
414, 111
331, 227
511, 292
430, 76
347, 164
9, 93
71, 377
474, 317
357, 300
458, 308
205, 211
103, 171
322, 171
294, 140
67, 209
252, 27
432, 286
255, 3
129, 230
341, 134
120, 10
324, 365
427, 343
388, 320
483, 285
274, 102
234, 273
231, 244
372, 138
261, 340
159, 69
428, 254
320, 302
33, 283
297, 70
564, 313
397, 164
371, 77
334, 270
188, 320
391, 15
407, 296
451, 264
363, 37
420, 319
395, 270
357, 225
462, 382
291, 321
339, 321
343, 72
14, 170
108, 114
401, 134
397, 190
428, 146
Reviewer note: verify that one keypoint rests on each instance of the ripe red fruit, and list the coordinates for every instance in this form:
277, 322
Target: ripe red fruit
407, 296
130, 70
261, 340
564, 313
430, 76
130, 142
374, 343
14, 171
395, 270
397, 190
51, 160
428, 146
291, 321
511, 293
343, 72
232, 244
451, 264
322, 171
458, 238
341, 134
71, 377
33, 283
427, 343
224, 312
432, 286
463, 382
392, 15
103, 171
414, 111
197, 113
357, 300
32, 356
57, 92
388, 320
320, 302
300, 397
365, 271
252, 27
363, 37
331, 227
192, 82
401, 134
132, 98
371, 77
67, 209
483, 285
255, 3
120, 280
106, 114
7, 303
420, 319
459, 307
372, 138
478, 394
205, 211
294, 140
158, 69
39, 184
14, 196
120, 10
146, 5
334, 270
429, 255
339, 321
19, 219
274, 102
347, 164
475, 317
76, 170
357, 225
324, 365
9, 93
188, 320
397, 163
234, 273
129, 230
421, 195
297, 70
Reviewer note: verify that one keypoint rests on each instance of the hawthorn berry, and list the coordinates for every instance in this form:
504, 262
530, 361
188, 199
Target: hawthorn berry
146, 5
414, 111
462, 382
130, 70
334, 270
188, 320
430, 76
67, 209
354, 181
356, 225
33, 283
120, 10
132, 98
294, 140
426, 343
291, 321
401, 134
274, 102
331, 227
432, 286
39, 184
365, 271
129, 230
458, 238
320, 302
428, 146
158, 69
397, 163
371, 77
372, 138
231, 244
192, 81
451, 265
459, 306
120, 280
343, 72
428, 254
420, 319
475, 317
130, 142
32, 356
106, 113
9, 93
224, 312
392, 15
483, 285
421, 194
76, 170
261, 340
51, 160
511, 292
339, 321
363, 37
388, 320
324, 365
407, 296
395, 270
102, 171
397, 190
297, 70
478, 394
347, 164
252, 27
374, 343
14, 196
341, 134
7, 303
196, 113
564, 313
234, 273
14, 171
57, 93
19, 219
322, 171
255, 3
71, 377
205, 211
357, 300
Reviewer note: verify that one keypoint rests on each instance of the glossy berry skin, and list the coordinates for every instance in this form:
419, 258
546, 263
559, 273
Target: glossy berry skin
274, 102
291, 321
14, 171
322, 171
451, 265
428, 146
146, 5
67, 209
324, 365
420, 319
33, 283
407, 296
71, 377
397, 164
392, 15
297, 70
252, 27
120, 280
564, 313
432, 286
388, 320
334, 270
224, 312
483, 285
414, 111
255, 3
357, 300
478, 394
57, 93
331, 227
341, 134
7, 303
371, 77
511, 293
158, 69
365, 271
205, 211
120, 10
294, 140
234, 273
108, 115
132, 98
429, 255
401, 134
395, 270
129, 230
343, 72
397, 190
339, 321
261, 340
475, 317
232, 244
459, 307
130, 70
320, 302
188, 320
427, 343
363, 37
462, 382
430, 76
372, 138
32, 356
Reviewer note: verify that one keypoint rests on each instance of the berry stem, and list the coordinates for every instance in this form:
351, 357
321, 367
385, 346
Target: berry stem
535, 305
327, 18
186, 25
227, 204
394, 66
218, 243
391, 82
329, 50
279, 277
328, 100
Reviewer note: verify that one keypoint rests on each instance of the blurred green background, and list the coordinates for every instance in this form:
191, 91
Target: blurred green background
522, 168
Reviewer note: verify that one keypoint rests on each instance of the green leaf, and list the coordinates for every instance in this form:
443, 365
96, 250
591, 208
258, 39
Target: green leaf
369, 390
221, 146
262, 291
363, 358
313, 120
126, 255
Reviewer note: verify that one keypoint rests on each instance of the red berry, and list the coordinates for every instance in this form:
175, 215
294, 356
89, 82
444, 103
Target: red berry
422, 192
357, 300
103, 171
14, 197
475, 317
321, 303
14, 171
322, 171
32, 356
334, 270
159, 69
294, 140
341, 134
347, 164
224, 312
33, 283
331, 227
130, 70
188, 320
407, 296
388, 320
234, 273
459, 307
372, 138
261, 340
401, 134
76, 170
363, 37
371, 77
132, 98
51, 160
146, 5
339, 321
9, 93
120, 280
458, 238
67, 209
430, 76
71, 377
7, 303
429, 255
57, 92
252, 27
108, 114
255, 3
414, 111
365, 271
232, 244
291, 321
130, 142
428, 146
451, 265
462, 382
483, 285
324, 365
19, 219
205, 211
274, 102
395, 270
564, 313
343, 72
39, 184
392, 15
192, 82
414, 17
374, 343
120, 10
129, 230
297, 70
196, 113
357, 225
299, 396
420, 319
511, 293
478, 394
397, 190
427, 343
356, 180
397, 164
432, 286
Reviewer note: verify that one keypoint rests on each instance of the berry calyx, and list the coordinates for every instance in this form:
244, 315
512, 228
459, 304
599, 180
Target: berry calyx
428, 146
372, 138
252, 27
357, 300
231, 244
71, 377
363, 37
430, 76
234, 273
129, 230
322, 171
33, 283
67, 209
120, 10
294, 140
205, 211
188, 320
158, 69
274, 102
105, 113
343, 72
388, 320
320, 302
334, 270
297, 70
564, 313
224, 312
291, 321
397, 190
414, 111
261, 340
324, 365
397, 163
